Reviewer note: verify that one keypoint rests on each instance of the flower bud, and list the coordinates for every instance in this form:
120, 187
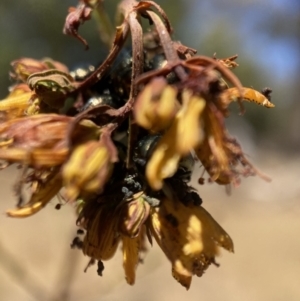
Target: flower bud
87, 170
133, 215
156, 105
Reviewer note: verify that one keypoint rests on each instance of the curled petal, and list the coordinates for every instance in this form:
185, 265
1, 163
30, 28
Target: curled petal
23, 67
249, 95
189, 237
156, 105
87, 170
76, 17
183, 135
41, 196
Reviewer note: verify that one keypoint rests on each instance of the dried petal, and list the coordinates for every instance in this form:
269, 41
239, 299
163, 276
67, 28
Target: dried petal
15, 105
36, 157
184, 134
23, 67
87, 170
130, 250
189, 237
42, 139
42, 195
249, 95
156, 105
76, 17
101, 239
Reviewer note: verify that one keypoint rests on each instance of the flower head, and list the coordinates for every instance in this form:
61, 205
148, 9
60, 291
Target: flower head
119, 141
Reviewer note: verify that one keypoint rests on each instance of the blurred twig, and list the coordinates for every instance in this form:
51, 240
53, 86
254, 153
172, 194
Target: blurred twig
66, 274
23, 275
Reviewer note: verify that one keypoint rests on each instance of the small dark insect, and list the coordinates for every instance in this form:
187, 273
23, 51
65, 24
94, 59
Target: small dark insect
100, 268
185, 168
120, 74
127, 193
201, 181
267, 92
57, 206
77, 243
80, 232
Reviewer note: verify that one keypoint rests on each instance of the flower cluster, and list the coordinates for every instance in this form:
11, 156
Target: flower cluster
119, 141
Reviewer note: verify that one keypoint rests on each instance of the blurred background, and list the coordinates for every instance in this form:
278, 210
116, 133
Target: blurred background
36, 262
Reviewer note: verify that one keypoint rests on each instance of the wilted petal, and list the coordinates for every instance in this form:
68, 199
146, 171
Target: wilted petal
37, 157
41, 196
156, 105
189, 237
25, 66
249, 95
42, 140
100, 221
87, 170
16, 103
183, 135
130, 250
220, 154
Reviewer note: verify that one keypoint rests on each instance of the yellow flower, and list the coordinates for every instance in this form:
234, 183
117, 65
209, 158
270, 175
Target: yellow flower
16, 103
130, 248
88, 169
183, 135
156, 105
189, 237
